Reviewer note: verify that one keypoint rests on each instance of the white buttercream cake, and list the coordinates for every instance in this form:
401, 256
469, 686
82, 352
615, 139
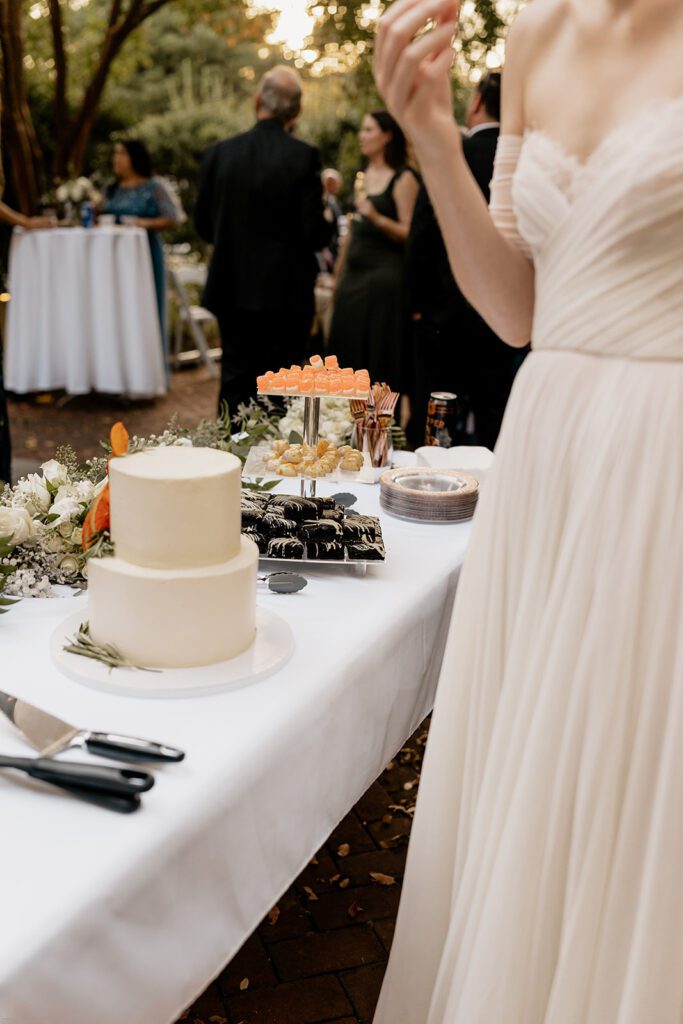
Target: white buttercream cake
180, 590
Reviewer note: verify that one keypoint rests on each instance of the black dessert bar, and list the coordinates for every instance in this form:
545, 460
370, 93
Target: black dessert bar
285, 526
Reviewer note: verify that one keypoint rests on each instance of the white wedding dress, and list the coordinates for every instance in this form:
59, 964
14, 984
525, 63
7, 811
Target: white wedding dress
545, 871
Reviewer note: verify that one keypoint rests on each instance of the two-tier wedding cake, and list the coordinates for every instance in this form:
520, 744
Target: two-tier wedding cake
180, 590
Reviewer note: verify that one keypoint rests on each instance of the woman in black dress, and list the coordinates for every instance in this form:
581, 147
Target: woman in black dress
369, 319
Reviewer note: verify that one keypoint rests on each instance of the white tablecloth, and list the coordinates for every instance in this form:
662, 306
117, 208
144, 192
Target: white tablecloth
83, 315
109, 918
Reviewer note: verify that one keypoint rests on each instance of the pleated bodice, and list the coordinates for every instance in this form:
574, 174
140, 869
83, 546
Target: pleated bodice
607, 238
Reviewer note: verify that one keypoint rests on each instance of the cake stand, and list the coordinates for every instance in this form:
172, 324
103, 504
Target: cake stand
270, 651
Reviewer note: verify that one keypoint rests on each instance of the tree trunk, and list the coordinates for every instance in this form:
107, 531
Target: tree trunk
120, 27
19, 134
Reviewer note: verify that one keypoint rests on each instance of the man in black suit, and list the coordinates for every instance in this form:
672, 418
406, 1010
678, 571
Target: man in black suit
453, 348
260, 205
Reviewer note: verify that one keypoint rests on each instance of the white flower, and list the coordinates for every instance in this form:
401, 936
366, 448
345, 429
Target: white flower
85, 491
32, 494
183, 442
77, 537
55, 473
65, 510
16, 525
69, 565
63, 194
53, 543
65, 530
66, 491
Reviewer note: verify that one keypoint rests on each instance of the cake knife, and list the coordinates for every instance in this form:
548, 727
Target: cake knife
50, 735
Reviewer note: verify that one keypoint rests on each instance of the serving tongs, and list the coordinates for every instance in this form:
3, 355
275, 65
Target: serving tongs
117, 789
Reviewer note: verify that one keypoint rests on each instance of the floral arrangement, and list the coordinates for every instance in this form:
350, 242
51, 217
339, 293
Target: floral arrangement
53, 521
336, 421
79, 190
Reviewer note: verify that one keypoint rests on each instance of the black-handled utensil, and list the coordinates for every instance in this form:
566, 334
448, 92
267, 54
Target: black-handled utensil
116, 788
127, 748
50, 735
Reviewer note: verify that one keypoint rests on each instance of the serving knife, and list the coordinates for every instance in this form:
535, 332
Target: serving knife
50, 736
117, 789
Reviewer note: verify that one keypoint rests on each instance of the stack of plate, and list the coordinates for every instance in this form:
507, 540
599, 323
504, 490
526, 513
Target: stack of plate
429, 495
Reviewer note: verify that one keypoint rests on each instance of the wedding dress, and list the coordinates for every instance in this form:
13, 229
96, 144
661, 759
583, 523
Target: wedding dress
545, 871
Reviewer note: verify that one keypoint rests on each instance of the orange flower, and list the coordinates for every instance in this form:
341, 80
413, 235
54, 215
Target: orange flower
98, 516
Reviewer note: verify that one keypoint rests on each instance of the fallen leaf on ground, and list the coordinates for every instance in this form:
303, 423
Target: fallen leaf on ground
344, 883
381, 879
244, 984
408, 786
311, 895
354, 909
344, 850
315, 861
387, 819
335, 878
218, 1020
273, 915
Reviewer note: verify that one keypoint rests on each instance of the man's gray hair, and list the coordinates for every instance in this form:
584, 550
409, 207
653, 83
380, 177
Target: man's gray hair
280, 94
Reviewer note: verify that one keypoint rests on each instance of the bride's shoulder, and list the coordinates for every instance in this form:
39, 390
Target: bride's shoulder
531, 34
536, 24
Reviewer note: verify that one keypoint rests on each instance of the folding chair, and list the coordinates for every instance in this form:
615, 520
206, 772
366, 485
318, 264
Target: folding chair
195, 318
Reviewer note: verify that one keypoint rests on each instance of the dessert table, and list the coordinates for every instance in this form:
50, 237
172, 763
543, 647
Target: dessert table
83, 315
128, 918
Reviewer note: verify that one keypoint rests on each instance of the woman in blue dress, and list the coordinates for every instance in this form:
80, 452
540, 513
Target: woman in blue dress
137, 194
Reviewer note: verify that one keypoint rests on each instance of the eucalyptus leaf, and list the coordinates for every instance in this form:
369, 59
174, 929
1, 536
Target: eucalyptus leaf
295, 437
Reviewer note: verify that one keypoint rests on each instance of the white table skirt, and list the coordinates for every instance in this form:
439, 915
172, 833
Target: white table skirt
83, 315
114, 918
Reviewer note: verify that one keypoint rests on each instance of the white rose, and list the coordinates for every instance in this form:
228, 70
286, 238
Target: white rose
55, 473
53, 543
69, 565
66, 492
38, 493
183, 442
16, 525
77, 536
85, 491
62, 194
65, 510
65, 530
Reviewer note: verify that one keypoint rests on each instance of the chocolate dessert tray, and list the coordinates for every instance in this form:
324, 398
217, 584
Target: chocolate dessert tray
293, 530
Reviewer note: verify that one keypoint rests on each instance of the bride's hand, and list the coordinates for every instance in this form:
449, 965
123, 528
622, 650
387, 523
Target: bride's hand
413, 74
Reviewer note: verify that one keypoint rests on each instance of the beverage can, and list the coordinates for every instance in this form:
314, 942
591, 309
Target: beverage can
444, 428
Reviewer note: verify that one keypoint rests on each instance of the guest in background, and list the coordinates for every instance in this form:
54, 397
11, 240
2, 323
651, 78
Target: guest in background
453, 348
334, 215
150, 204
368, 320
15, 220
260, 204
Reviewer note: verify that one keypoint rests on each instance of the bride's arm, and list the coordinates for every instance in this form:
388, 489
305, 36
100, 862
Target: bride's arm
414, 77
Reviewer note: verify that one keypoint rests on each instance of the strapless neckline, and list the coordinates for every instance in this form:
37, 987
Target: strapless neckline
624, 129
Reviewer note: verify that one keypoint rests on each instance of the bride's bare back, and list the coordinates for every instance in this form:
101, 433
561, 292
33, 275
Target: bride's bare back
575, 69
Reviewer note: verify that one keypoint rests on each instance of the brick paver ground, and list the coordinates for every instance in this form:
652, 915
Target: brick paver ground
321, 953
40, 423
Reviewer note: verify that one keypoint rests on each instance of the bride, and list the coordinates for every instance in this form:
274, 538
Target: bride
545, 873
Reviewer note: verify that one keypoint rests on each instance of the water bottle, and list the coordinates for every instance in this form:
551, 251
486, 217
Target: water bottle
87, 214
